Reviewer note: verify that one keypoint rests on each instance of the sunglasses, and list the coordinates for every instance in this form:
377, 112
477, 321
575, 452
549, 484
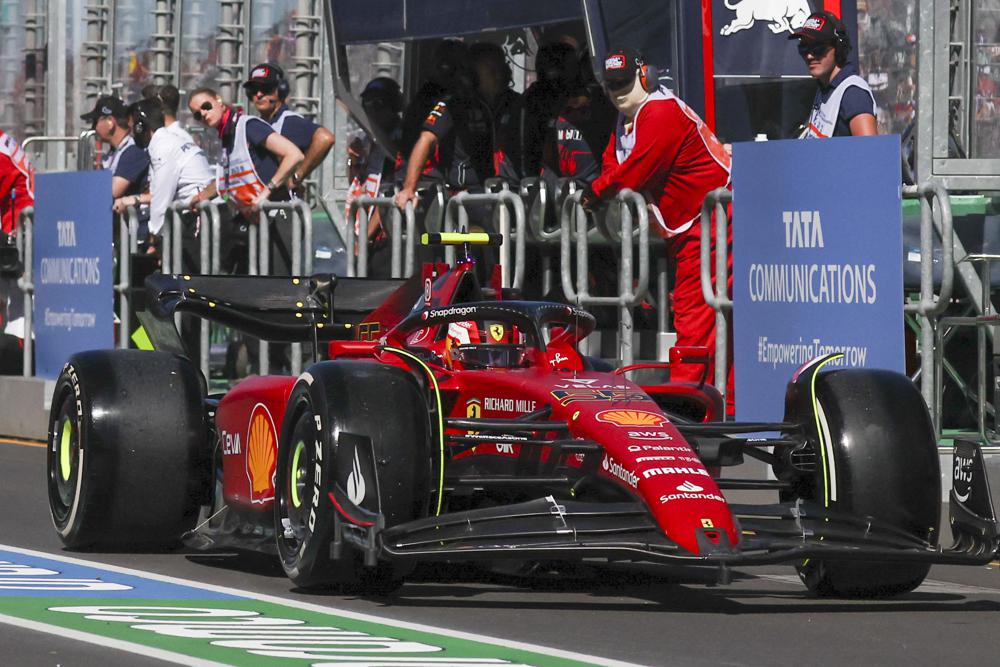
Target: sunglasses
815, 50
266, 90
198, 115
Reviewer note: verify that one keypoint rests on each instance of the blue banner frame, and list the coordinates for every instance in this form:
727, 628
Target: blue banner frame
817, 262
72, 267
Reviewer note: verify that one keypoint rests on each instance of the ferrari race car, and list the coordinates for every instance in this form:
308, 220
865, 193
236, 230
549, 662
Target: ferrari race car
453, 423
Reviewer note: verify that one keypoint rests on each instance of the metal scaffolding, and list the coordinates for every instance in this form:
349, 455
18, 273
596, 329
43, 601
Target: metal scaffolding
98, 18
232, 37
166, 20
34, 59
307, 25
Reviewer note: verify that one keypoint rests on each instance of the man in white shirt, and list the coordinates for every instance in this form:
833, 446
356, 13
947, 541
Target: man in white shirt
178, 168
170, 99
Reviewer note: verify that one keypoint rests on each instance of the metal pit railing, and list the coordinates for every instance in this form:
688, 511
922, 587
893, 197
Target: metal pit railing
505, 201
403, 246
629, 293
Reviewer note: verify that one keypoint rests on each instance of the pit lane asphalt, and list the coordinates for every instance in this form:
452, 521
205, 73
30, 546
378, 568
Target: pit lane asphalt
647, 615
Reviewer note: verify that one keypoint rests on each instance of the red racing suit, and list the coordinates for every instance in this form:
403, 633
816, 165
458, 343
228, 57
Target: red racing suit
673, 160
17, 182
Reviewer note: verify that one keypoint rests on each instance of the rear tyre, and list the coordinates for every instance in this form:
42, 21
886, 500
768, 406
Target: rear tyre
880, 460
357, 431
127, 462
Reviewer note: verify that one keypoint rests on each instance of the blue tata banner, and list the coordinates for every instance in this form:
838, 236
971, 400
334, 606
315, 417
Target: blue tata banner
817, 261
72, 267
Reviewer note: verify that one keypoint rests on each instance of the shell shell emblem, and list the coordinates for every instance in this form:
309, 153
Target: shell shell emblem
631, 418
262, 448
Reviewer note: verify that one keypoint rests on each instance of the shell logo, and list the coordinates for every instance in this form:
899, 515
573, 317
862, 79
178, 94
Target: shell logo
262, 448
631, 418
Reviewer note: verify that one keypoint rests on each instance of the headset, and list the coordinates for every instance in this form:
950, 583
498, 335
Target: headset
283, 86
649, 75
841, 45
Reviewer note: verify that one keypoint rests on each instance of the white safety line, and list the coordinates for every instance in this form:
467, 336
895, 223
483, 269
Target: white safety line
299, 604
117, 644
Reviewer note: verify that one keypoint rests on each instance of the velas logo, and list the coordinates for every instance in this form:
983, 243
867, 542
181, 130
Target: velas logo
260, 73
631, 418
814, 23
614, 62
356, 481
262, 447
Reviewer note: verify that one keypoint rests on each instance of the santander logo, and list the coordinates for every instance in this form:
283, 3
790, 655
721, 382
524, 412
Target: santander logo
689, 487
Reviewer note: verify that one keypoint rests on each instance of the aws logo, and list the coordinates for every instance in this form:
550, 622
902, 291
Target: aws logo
262, 450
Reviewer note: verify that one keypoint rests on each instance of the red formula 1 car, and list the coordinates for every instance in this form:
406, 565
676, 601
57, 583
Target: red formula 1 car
456, 423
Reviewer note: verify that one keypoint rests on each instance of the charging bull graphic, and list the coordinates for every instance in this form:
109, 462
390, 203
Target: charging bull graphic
781, 15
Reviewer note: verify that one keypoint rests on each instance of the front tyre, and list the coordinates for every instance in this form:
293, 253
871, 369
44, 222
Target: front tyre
877, 457
357, 432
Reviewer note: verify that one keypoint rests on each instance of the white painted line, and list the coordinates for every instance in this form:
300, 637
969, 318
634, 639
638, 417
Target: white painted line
299, 604
117, 644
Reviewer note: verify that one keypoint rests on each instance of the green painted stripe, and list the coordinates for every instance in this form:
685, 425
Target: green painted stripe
402, 644
317, 638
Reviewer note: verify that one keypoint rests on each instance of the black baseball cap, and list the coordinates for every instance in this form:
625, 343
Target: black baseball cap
264, 75
820, 27
620, 67
107, 105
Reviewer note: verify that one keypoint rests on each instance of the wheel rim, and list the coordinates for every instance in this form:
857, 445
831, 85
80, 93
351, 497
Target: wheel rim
296, 480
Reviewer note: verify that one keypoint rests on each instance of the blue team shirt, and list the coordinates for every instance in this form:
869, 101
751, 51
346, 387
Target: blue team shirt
855, 101
297, 129
133, 166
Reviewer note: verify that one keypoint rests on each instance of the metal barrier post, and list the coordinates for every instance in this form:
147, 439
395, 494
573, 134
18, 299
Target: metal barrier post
128, 229
25, 243
931, 305
456, 207
403, 248
715, 201
264, 265
628, 294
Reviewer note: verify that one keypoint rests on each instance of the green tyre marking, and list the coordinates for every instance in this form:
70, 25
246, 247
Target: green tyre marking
297, 473
65, 440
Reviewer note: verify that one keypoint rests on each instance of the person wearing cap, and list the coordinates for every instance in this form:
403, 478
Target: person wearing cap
268, 90
256, 160
495, 79
664, 151
128, 164
373, 156
844, 105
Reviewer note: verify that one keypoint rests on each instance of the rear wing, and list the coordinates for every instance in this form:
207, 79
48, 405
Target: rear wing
276, 308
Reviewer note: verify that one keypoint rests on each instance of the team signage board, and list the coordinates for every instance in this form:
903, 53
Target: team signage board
817, 261
750, 37
72, 267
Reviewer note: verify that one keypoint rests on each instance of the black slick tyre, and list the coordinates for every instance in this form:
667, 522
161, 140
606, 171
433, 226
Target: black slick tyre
355, 436
127, 463
878, 458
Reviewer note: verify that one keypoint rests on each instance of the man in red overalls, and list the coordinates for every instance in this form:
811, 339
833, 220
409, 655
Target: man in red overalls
17, 185
665, 152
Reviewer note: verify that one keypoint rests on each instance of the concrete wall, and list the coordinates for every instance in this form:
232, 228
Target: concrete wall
24, 407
